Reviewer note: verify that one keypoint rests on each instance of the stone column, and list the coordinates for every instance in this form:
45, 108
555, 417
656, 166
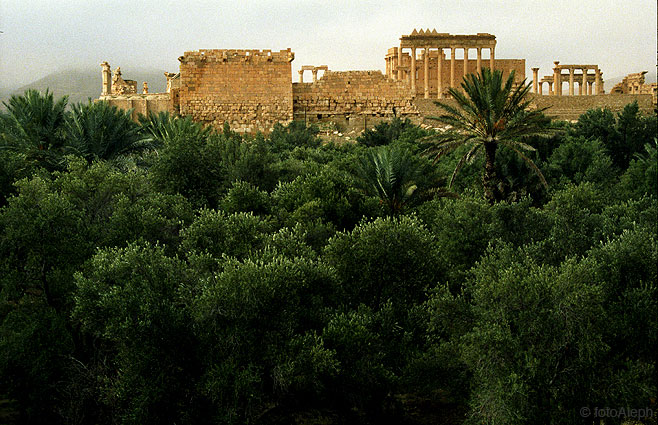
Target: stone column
557, 84
413, 70
465, 61
106, 86
400, 63
583, 86
439, 75
426, 72
301, 75
315, 75
597, 79
535, 79
589, 88
541, 86
571, 70
492, 60
479, 64
550, 89
452, 67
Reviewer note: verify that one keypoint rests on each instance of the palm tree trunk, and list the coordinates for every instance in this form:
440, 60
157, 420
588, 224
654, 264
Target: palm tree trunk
489, 179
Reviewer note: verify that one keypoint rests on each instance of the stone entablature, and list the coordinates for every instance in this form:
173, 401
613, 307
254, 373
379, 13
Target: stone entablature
588, 83
403, 66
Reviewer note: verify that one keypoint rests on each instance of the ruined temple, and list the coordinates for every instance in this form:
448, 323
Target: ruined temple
635, 84
253, 90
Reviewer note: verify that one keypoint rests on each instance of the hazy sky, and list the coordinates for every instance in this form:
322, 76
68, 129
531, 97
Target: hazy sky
41, 36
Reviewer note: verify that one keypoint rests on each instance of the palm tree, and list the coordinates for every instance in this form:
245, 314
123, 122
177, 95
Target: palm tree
396, 177
490, 114
163, 127
98, 130
33, 128
389, 174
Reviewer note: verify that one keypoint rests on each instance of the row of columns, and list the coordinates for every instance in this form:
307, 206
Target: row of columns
412, 70
555, 86
314, 70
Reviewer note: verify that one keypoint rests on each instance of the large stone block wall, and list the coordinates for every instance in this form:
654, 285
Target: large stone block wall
352, 93
571, 107
567, 108
251, 89
142, 104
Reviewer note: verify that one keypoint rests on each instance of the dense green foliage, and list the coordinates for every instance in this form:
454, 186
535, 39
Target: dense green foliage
162, 272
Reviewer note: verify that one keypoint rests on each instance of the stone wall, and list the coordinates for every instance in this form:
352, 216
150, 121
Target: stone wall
142, 103
567, 108
351, 93
571, 107
251, 89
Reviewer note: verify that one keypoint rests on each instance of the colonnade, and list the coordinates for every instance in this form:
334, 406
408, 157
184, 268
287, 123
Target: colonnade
588, 84
440, 59
429, 42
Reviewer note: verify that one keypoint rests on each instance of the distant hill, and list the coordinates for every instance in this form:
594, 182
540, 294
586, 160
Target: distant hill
82, 84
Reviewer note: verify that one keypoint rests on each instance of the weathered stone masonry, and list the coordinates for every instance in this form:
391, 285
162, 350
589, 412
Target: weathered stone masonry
252, 89
249, 89
351, 93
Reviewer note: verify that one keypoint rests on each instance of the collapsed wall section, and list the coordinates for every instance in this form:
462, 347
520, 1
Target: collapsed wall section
250, 89
352, 93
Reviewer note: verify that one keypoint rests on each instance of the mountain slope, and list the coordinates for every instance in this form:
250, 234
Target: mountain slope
82, 84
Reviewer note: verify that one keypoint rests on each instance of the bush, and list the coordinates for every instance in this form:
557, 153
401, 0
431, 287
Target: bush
133, 301
387, 260
258, 323
219, 234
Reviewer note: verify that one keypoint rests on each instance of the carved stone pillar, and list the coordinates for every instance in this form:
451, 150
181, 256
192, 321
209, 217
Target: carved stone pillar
557, 83
465, 61
315, 75
492, 60
550, 89
583, 86
535, 79
571, 71
541, 86
439, 75
599, 84
452, 67
400, 63
106, 72
413, 70
426, 72
301, 75
394, 62
589, 88
479, 63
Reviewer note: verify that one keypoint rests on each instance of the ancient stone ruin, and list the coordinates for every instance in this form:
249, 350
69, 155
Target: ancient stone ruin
252, 90
435, 71
635, 84
585, 80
